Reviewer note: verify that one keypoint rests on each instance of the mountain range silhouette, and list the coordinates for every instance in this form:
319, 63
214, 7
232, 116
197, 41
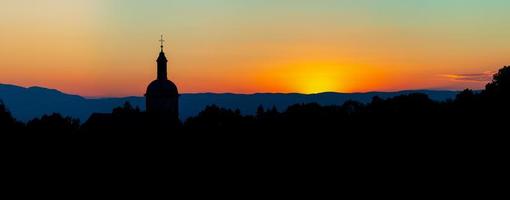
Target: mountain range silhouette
28, 103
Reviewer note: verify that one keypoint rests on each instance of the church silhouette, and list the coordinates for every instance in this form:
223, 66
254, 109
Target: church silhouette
162, 97
162, 108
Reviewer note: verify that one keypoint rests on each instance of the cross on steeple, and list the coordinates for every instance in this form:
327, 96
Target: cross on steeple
162, 41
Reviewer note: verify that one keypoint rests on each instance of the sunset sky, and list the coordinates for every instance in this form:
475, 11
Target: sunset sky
101, 48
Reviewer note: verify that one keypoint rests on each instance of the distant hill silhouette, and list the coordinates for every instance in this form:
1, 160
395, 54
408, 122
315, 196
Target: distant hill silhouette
28, 103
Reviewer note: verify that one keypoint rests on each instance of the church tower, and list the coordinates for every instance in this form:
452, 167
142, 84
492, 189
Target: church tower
162, 96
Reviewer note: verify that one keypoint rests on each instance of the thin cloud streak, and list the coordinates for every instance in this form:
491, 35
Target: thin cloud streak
476, 77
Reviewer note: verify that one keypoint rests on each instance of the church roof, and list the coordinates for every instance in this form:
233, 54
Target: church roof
162, 57
163, 88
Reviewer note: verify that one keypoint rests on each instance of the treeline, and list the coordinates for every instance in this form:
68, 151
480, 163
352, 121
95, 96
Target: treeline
479, 112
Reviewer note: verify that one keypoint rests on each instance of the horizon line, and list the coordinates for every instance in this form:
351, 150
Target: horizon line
247, 94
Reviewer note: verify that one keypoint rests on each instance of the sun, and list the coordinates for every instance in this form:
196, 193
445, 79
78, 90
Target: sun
312, 82
317, 78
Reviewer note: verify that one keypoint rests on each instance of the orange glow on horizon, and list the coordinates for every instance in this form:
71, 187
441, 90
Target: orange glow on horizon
312, 77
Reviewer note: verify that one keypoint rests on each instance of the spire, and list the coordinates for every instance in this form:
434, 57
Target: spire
162, 41
162, 63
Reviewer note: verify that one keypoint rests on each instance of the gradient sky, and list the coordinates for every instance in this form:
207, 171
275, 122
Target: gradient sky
109, 47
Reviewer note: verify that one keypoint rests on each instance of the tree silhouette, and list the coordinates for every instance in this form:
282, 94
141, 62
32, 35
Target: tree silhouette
216, 118
500, 84
127, 108
53, 124
7, 123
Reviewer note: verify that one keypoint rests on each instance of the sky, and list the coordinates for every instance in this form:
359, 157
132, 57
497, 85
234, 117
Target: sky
108, 48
